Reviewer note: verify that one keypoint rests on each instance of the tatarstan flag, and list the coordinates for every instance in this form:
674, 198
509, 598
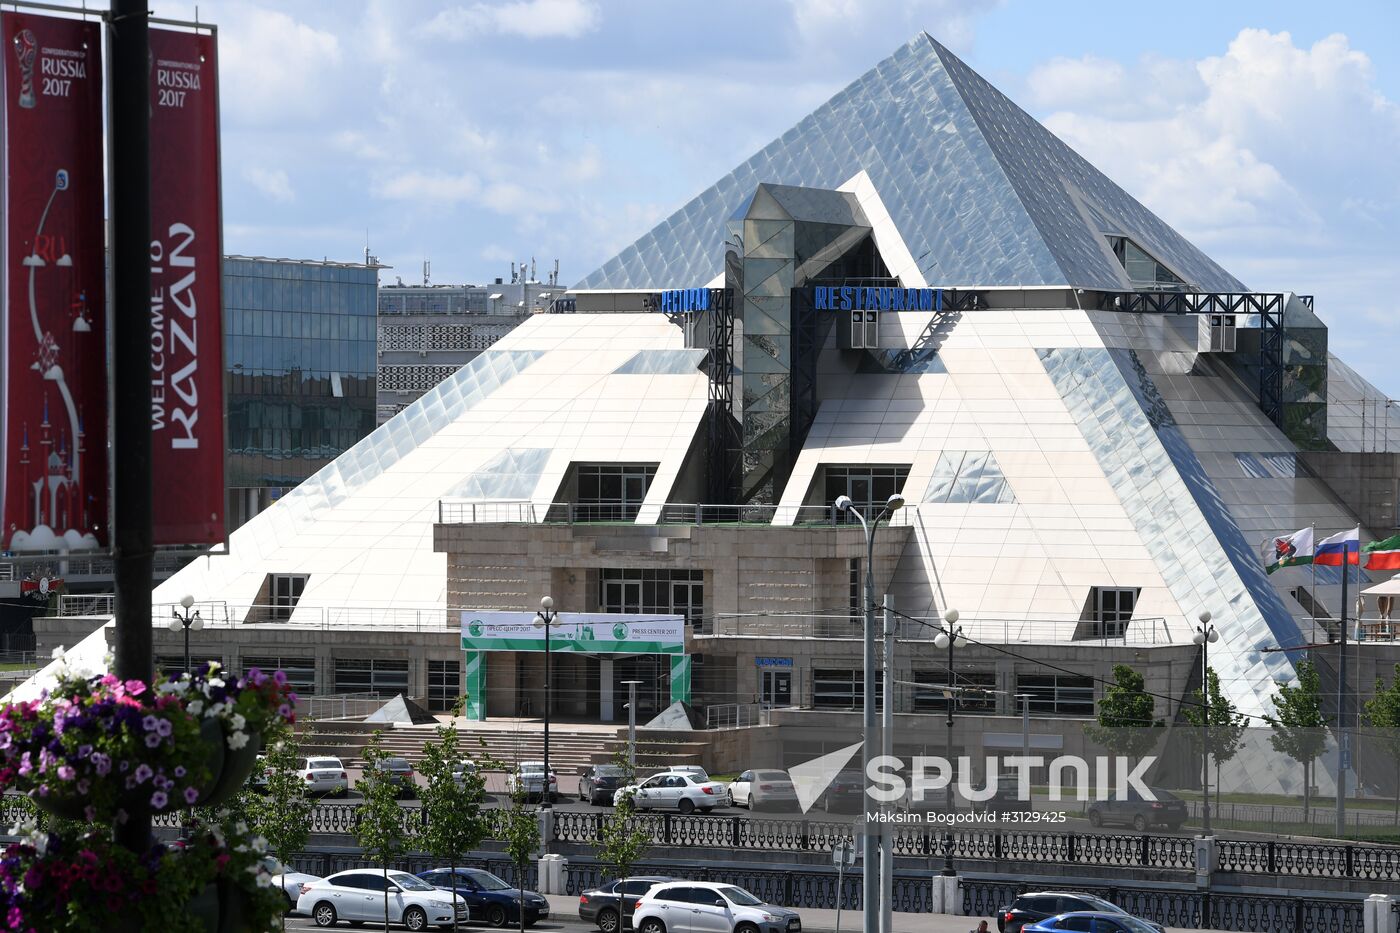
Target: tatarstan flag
1383, 555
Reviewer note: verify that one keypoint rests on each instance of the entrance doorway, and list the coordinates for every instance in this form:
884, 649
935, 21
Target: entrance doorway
775, 688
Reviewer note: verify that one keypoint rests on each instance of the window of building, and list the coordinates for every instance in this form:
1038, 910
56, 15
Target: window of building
1112, 609
612, 492
663, 591
968, 476
379, 676
1222, 333
1144, 271
175, 663
868, 487
1060, 694
284, 592
444, 684
929, 697
856, 590
301, 672
843, 688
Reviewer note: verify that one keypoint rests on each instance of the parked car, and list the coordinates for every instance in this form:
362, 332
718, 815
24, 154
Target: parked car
257, 779
324, 776
489, 898
1035, 906
845, 793
291, 882
399, 773
607, 904
671, 789
460, 770
693, 906
358, 896
764, 790
1141, 814
699, 773
528, 779
597, 783
1094, 922
1007, 798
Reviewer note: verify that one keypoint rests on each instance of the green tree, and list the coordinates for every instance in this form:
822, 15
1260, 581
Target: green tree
282, 813
624, 843
519, 828
451, 800
1383, 712
1125, 723
379, 820
1298, 724
1227, 725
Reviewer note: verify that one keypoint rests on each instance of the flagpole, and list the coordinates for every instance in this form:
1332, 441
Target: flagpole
1313, 600
1343, 744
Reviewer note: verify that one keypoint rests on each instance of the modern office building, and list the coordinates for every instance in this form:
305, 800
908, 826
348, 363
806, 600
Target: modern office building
916, 290
300, 351
428, 332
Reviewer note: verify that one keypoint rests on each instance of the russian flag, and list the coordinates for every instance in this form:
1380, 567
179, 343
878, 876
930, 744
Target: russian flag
1341, 548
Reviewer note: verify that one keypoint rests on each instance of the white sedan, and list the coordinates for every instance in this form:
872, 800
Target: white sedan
674, 789
291, 882
358, 896
323, 776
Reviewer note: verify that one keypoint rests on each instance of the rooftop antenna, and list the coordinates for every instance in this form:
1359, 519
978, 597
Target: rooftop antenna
427, 271
512, 273
554, 279
533, 278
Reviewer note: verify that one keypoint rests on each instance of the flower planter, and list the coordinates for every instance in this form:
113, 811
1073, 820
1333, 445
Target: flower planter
236, 765
204, 908
63, 806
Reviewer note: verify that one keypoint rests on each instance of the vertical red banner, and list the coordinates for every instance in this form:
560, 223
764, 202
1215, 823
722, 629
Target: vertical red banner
187, 372
54, 459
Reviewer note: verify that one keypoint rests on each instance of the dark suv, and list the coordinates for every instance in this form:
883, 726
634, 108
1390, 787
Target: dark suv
399, 773
1028, 908
610, 905
1133, 810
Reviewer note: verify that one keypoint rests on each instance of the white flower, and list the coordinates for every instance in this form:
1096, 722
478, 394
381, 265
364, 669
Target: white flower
215, 682
195, 707
237, 740
238, 722
241, 827
56, 653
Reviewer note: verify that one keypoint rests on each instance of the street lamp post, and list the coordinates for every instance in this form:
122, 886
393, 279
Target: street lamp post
950, 637
631, 727
1205, 636
189, 620
546, 619
870, 844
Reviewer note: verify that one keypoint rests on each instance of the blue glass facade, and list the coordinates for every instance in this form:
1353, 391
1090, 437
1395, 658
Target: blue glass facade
982, 194
300, 356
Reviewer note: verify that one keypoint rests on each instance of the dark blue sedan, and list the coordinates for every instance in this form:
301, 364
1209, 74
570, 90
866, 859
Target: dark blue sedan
1093, 922
489, 898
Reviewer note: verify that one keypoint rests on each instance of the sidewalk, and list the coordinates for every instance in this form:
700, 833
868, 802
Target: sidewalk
822, 921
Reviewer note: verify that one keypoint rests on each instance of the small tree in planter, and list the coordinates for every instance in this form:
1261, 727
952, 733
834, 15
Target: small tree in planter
282, 813
451, 800
624, 843
520, 830
379, 823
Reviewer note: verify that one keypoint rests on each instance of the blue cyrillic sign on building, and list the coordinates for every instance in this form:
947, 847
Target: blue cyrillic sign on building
683, 299
861, 298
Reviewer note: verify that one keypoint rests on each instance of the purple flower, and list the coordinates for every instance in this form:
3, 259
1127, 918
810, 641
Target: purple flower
191, 795
279, 678
66, 773
101, 763
163, 727
179, 771
143, 773
83, 787
152, 740
150, 723
84, 751
158, 799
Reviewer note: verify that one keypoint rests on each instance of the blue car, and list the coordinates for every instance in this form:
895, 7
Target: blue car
489, 898
1097, 921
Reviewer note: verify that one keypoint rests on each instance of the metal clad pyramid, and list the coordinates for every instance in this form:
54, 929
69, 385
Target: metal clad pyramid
981, 193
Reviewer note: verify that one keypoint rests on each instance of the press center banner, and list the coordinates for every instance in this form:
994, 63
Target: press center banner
53, 426
582, 632
187, 367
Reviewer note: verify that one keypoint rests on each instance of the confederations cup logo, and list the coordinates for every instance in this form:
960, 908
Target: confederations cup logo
26, 50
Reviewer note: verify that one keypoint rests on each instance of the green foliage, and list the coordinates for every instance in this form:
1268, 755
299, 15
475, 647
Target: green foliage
623, 843
1126, 724
1299, 724
455, 821
379, 823
282, 814
1227, 723
1383, 712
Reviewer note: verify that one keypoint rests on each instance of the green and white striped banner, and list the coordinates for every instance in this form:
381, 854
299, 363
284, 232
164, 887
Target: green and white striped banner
580, 632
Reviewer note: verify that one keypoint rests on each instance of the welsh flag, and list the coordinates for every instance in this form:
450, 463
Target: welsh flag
1289, 550
1383, 555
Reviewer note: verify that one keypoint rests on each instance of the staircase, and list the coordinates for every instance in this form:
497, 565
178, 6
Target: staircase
571, 747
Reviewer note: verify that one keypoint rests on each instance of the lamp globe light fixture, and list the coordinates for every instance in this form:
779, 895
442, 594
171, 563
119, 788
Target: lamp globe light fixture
546, 619
183, 622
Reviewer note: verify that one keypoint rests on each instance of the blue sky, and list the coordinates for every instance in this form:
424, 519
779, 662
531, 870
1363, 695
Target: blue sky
476, 133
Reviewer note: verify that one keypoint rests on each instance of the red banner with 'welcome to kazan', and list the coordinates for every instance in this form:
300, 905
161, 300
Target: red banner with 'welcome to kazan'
53, 415
187, 407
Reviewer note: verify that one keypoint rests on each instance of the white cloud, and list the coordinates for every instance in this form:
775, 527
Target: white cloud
430, 187
838, 23
530, 19
273, 67
272, 182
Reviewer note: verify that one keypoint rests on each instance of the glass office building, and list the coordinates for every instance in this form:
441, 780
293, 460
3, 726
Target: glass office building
300, 355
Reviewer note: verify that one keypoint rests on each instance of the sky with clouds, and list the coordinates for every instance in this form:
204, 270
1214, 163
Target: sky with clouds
477, 133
